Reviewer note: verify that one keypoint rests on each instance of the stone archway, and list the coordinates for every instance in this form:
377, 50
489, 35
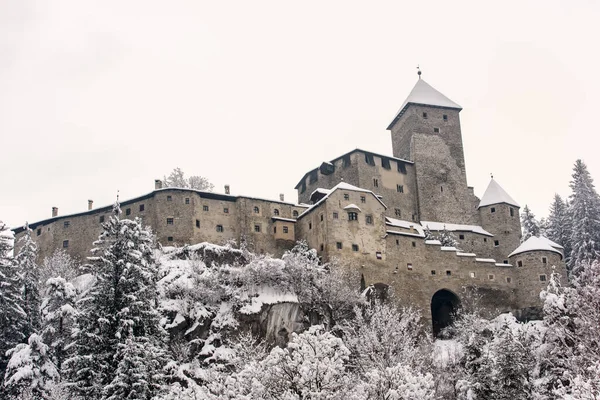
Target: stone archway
444, 305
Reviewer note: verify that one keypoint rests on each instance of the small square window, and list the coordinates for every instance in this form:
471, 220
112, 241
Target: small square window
101, 218
65, 244
197, 223
219, 228
448, 273
39, 232
375, 182
169, 221
169, 198
445, 117
363, 199
496, 243
508, 279
187, 200
461, 237
378, 255
256, 210
338, 245
354, 247
352, 216
432, 272
409, 267
256, 228
414, 244
424, 115
493, 209
225, 210
142, 207
505, 261
295, 214
436, 130
519, 263
484, 240
66, 224
275, 212
285, 229
205, 208
335, 215
346, 196
170, 239
542, 278
544, 260
472, 274
321, 217
491, 277
369, 219
128, 211
322, 247
400, 188
397, 212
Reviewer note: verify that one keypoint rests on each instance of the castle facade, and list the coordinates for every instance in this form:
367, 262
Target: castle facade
369, 211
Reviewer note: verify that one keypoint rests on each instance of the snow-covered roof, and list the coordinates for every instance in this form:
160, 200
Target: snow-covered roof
283, 219
494, 194
439, 226
405, 224
551, 243
423, 93
320, 190
535, 243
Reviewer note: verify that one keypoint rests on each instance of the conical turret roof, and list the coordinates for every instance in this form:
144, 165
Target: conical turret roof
494, 194
424, 94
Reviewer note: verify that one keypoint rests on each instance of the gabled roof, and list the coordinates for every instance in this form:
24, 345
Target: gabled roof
535, 244
494, 194
424, 94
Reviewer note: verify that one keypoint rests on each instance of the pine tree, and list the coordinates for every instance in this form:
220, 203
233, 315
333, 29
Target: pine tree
120, 306
530, 226
585, 214
11, 313
29, 271
559, 225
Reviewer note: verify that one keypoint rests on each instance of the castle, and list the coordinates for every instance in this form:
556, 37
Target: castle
370, 212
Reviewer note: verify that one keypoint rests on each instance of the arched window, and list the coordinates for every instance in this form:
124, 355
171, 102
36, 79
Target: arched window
295, 214
256, 210
276, 211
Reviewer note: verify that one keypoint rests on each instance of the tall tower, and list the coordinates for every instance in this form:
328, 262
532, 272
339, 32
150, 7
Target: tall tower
426, 130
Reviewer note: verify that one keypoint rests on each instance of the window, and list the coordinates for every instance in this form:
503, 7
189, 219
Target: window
346, 161
321, 217
310, 225
187, 200
436, 130
544, 260
338, 245
335, 215
472, 274
375, 182
276, 212
484, 240
369, 159
493, 209
225, 210
101, 218
204, 208
397, 212
295, 214
219, 228
424, 115
432, 272
256, 228
414, 244
66, 224
441, 189
169, 221
369, 219
39, 232
414, 217
409, 267
142, 207
542, 278
445, 117
401, 167
378, 255
170, 239
496, 243
65, 244
197, 223
346, 196
397, 242
128, 211
400, 188
461, 237
491, 277
385, 163
505, 262
352, 216
303, 188
274, 229
256, 210
363, 199
313, 176
448, 273
512, 212
519, 263
285, 229
354, 247
508, 279
169, 198
322, 247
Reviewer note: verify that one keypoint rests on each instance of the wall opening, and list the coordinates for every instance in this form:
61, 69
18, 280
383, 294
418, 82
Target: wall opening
444, 305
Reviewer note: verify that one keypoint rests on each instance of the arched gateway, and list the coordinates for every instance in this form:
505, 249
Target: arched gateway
444, 305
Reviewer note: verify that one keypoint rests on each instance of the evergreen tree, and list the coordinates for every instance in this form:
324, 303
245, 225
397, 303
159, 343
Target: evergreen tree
11, 313
559, 225
530, 226
120, 306
585, 214
447, 238
29, 271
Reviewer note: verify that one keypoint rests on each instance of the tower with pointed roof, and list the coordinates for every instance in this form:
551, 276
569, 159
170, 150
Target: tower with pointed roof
426, 130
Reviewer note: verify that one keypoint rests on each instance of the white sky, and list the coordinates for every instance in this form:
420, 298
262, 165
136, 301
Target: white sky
97, 96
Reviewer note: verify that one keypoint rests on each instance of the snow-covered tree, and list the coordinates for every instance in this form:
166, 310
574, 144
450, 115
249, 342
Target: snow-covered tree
30, 371
585, 214
447, 238
59, 264
30, 280
119, 306
12, 316
58, 318
560, 224
177, 179
530, 225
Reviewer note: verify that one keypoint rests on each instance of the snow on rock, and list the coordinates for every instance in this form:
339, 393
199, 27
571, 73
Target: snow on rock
494, 194
267, 296
535, 244
83, 283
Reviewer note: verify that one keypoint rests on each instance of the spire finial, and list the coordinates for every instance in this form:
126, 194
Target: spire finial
492, 175
419, 71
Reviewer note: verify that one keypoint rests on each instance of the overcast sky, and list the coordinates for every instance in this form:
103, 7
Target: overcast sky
102, 96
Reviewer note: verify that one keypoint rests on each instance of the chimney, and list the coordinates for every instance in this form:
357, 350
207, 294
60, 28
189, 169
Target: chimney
281, 197
226, 189
157, 184
55, 211
90, 204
